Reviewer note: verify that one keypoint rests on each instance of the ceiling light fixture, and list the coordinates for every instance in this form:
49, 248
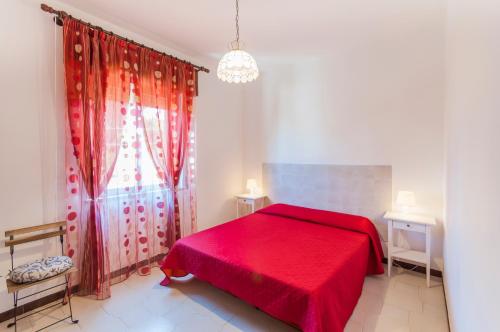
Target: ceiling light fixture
237, 65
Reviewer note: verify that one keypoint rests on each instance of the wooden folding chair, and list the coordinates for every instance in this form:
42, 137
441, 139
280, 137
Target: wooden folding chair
30, 234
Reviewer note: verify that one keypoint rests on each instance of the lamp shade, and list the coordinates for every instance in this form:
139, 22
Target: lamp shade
237, 66
252, 185
406, 199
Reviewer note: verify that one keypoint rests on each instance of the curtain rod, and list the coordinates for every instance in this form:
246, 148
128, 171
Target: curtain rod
60, 15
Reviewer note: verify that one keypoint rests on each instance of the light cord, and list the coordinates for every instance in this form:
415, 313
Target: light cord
237, 23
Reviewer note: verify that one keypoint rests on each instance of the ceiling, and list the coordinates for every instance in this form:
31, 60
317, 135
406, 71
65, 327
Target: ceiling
267, 27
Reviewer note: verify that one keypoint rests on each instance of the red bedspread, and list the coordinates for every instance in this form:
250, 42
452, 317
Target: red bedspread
303, 266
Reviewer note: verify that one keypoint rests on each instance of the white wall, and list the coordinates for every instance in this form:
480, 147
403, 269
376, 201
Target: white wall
30, 129
375, 98
219, 152
471, 247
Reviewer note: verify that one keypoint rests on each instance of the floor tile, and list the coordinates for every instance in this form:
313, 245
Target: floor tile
158, 324
436, 309
50, 316
353, 326
256, 321
368, 304
376, 284
409, 290
384, 323
191, 316
162, 300
432, 295
389, 310
24, 325
402, 300
102, 323
428, 322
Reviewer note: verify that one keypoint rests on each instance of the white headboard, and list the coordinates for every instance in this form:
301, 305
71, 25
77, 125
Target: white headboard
361, 190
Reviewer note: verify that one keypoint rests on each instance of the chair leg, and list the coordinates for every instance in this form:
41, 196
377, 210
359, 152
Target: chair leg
68, 293
14, 323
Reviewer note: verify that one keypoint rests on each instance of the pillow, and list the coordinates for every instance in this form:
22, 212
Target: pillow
40, 269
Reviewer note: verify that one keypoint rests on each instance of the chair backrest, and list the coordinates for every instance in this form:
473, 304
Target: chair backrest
44, 231
34, 233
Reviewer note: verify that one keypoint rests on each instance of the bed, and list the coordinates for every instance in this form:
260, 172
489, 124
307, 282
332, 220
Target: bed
303, 266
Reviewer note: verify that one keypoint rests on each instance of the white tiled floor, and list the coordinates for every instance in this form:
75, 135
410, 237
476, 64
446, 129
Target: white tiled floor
402, 303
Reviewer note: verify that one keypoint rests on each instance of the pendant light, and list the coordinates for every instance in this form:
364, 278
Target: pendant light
237, 66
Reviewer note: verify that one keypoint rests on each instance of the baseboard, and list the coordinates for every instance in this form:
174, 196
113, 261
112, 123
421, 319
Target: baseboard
413, 267
445, 287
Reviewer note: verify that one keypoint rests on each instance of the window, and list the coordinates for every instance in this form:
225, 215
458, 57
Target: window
134, 163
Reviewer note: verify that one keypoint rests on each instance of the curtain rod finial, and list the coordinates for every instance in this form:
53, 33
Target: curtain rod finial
60, 13
46, 8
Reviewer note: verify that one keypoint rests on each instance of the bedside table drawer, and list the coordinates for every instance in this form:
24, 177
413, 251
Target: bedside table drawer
409, 226
246, 201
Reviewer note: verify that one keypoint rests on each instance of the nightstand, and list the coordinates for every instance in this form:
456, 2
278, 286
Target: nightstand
254, 201
410, 223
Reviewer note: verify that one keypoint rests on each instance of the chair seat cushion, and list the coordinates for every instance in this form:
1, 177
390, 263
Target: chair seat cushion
40, 269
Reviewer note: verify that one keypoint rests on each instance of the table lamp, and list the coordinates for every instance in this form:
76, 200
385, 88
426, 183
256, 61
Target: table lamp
406, 200
252, 186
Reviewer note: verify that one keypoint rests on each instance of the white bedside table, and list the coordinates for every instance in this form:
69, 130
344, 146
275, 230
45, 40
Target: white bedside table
254, 201
411, 223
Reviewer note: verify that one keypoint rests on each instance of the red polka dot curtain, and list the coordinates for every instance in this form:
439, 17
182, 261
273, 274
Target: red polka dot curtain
130, 155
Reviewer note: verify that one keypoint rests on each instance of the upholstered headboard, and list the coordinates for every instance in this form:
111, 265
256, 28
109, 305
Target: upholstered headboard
361, 190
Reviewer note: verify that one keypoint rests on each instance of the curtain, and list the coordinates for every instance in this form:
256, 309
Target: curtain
170, 85
129, 157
